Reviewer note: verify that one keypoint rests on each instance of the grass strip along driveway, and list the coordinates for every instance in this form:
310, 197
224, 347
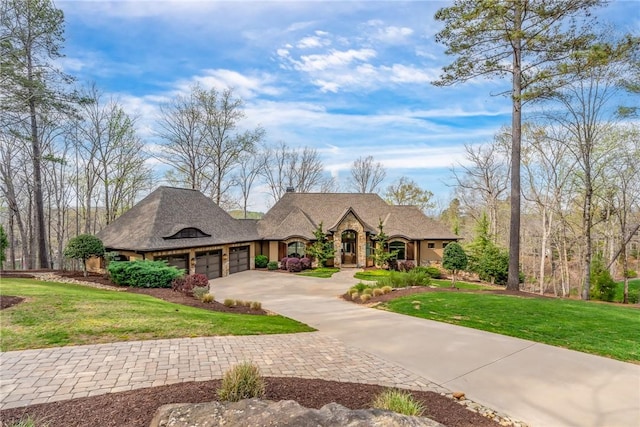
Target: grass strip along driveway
57, 314
591, 327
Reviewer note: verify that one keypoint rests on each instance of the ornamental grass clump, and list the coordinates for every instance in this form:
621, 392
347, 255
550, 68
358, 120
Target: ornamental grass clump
377, 292
256, 305
243, 381
398, 401
229, 302
386, 289
365, 297
200, 292
207, 298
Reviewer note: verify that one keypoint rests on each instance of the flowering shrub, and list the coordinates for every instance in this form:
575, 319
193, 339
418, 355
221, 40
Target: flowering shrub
187, 284
406, 265
294, 265
305, 263
283, 263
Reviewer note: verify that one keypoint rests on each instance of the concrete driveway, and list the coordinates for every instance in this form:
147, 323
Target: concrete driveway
536, 383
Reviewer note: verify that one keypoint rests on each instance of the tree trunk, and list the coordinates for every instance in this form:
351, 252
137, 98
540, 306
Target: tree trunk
513, 280
586, 226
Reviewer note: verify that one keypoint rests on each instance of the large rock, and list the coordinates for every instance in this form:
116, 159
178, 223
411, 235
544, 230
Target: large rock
263, 413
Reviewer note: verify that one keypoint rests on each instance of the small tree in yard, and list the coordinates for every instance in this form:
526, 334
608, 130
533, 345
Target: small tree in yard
381, 255
454, 259
83, 247
322, 249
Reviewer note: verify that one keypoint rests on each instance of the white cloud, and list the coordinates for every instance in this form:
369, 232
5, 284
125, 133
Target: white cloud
399, 73
333, 59
244, 86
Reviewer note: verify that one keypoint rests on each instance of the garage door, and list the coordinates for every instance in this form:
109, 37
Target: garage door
179, 261
238, 259
209, 264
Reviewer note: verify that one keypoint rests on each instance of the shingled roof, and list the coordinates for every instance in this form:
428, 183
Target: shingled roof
167, 210
299, 214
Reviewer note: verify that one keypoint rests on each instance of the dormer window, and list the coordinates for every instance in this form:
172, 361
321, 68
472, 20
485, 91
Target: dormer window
188, 233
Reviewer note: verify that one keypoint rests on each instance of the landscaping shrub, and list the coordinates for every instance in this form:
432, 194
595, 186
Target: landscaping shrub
187, 284
365, 297
294, 265
229, 302
360, 287
200, 291
243, 381
272, 265
634, 296
207, 298
305, 263
367, 291
402, 280
143, 274
603, 287
256, 305
283, 263
261, 261
431, 271
386, 289
407, 265
377, 292
398, 401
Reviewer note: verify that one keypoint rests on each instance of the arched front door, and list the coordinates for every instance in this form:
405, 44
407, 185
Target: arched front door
349, 247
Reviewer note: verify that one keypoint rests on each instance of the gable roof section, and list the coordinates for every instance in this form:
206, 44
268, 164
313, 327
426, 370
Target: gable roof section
411, 223
330, 208
166, 211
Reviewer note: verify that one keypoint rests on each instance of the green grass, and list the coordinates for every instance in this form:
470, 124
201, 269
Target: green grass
56, 314
440, 283
375, 275
634, 286
590, 327
322, 272
372, 275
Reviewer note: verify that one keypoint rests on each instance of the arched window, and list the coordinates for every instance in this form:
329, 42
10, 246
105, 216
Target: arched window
400, 247
188, 233
296, 249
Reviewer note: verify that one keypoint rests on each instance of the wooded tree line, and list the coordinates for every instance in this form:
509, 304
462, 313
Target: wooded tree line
72, 159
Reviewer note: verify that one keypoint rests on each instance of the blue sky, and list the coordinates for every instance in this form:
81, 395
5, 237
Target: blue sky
347, 78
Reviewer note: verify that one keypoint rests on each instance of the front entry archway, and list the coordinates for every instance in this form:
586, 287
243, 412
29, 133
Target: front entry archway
349, 247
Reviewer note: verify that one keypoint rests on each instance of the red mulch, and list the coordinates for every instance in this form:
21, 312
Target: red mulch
136, 408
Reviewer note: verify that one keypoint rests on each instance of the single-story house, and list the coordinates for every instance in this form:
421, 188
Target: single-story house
188, 230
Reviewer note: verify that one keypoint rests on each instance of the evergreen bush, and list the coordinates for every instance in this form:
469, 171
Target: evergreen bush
272, 265
261, 261
143, 274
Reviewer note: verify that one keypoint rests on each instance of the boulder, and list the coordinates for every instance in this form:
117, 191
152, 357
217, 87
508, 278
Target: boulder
263, 413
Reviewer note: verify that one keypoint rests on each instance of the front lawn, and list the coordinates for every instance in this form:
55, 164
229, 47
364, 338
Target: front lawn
372, 275
591, 327
322, 272
57, 314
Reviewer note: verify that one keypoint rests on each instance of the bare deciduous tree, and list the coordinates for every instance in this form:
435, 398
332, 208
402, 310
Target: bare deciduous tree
366, 175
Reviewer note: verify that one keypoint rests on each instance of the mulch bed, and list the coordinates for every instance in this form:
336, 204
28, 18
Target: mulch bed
136, 408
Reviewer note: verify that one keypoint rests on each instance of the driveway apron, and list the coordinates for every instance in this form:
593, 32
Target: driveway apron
536, 383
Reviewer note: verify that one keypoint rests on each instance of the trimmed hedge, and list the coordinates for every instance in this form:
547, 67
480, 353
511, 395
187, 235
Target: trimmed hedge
272, 265
143, 274
261, 261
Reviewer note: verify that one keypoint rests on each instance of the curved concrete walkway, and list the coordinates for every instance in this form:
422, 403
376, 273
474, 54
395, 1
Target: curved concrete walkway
536, 383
